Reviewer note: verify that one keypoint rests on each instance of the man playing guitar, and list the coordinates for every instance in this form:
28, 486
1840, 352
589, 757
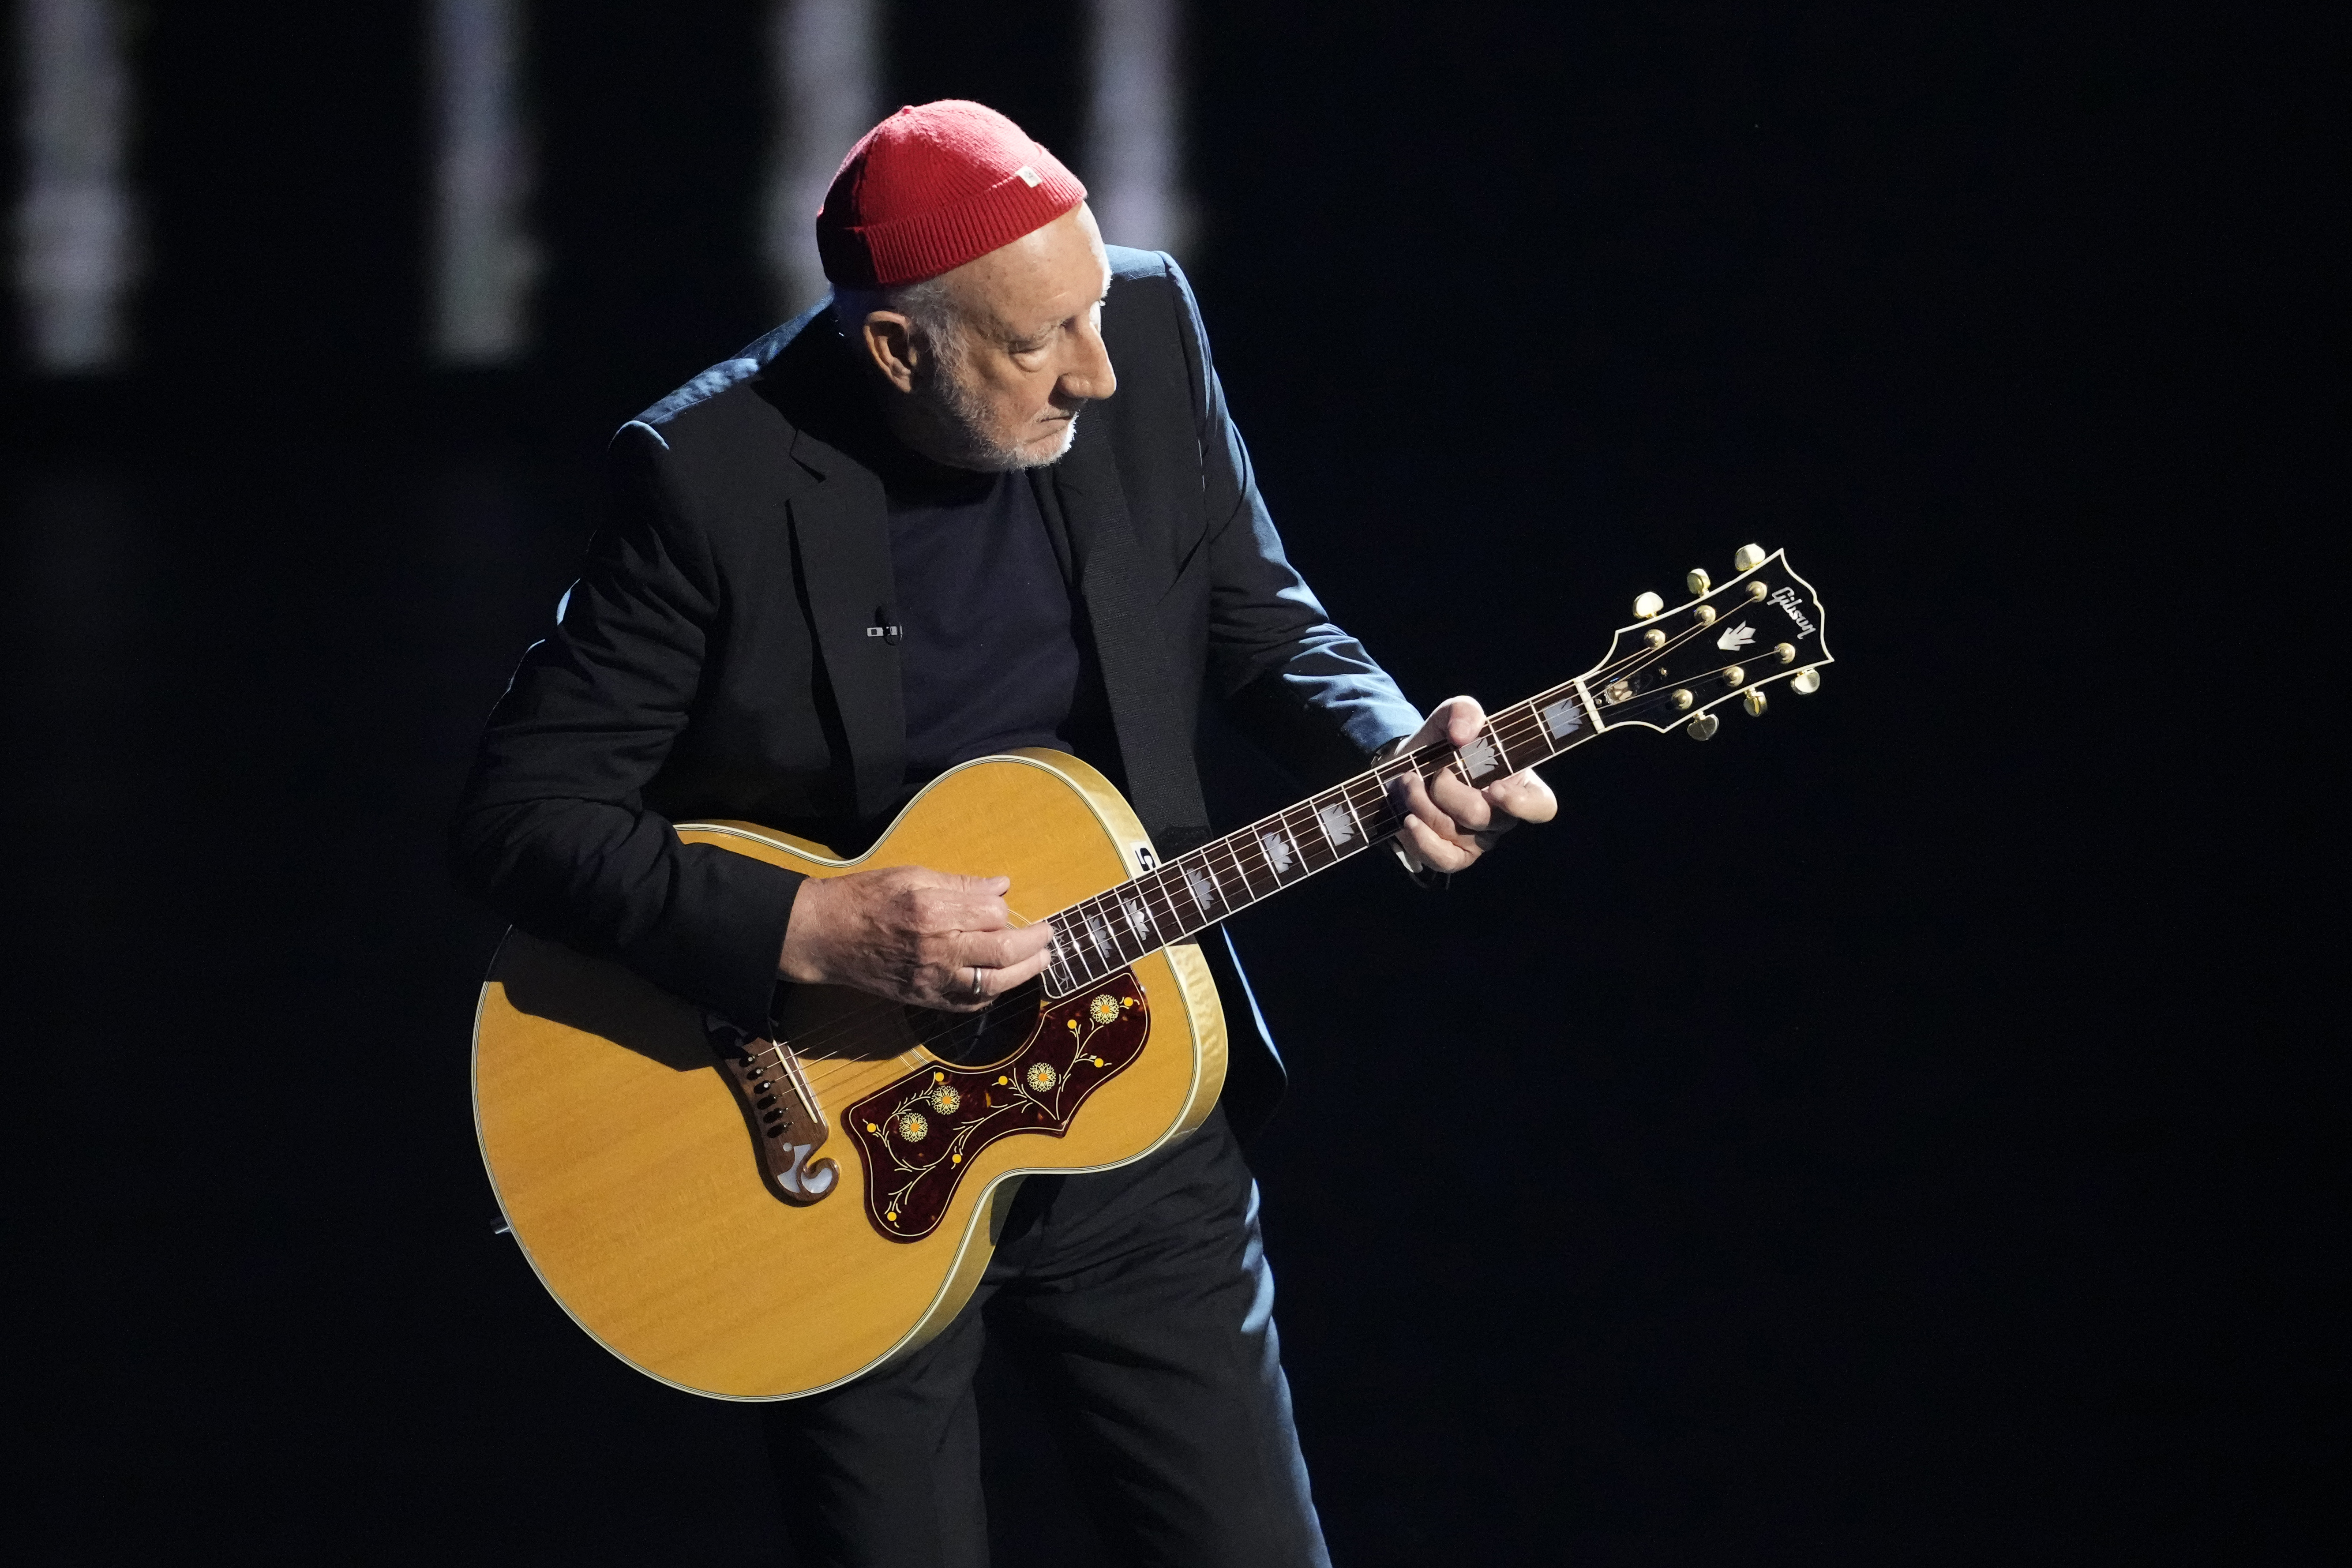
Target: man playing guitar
880, 542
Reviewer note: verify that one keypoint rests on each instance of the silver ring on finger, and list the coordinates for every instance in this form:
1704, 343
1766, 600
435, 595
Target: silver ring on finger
977, 992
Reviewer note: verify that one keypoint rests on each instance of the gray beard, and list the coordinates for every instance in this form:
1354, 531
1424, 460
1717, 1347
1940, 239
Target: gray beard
958, 422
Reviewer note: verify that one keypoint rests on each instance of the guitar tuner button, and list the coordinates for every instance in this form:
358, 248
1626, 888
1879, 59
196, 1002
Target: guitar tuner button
1805, 683
1747, 558
1753, 700
1698, 580
1701, 727
1647, 605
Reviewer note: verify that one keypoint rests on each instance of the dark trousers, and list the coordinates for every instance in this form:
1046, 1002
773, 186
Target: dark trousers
1139, 1306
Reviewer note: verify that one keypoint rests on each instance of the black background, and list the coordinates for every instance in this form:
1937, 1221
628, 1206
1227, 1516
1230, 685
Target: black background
1886, 1132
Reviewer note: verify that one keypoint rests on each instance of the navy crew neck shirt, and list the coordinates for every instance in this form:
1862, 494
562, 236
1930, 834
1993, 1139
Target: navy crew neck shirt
994, 652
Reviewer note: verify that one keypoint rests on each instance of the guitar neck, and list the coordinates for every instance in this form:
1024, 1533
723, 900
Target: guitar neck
1102, 935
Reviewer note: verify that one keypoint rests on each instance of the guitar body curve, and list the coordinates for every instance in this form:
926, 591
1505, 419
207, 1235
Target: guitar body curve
630, 1170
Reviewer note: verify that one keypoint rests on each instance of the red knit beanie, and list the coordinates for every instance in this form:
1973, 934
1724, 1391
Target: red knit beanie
931, 188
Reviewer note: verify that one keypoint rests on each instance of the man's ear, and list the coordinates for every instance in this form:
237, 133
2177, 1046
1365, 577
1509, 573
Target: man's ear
889, 339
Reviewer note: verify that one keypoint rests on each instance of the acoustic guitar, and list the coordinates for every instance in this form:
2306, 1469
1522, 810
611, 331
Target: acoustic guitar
762, 1218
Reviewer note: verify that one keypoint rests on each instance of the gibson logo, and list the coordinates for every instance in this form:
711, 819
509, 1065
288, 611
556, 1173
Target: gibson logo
1787, 601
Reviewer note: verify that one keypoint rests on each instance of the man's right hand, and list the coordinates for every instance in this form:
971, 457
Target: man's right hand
911, 934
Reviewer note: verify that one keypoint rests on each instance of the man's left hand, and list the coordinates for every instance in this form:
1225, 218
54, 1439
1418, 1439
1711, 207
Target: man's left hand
1448, 824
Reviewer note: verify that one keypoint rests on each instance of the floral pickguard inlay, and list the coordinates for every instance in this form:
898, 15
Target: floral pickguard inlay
917, 1137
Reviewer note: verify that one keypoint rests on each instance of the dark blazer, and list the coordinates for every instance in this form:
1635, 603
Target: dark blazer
714, 660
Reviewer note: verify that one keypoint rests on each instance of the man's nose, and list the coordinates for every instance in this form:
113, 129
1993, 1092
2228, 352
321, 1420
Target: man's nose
1092, 377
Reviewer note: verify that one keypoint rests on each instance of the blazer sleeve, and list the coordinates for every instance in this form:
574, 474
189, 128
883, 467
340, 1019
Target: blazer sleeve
552, 830
1289, 678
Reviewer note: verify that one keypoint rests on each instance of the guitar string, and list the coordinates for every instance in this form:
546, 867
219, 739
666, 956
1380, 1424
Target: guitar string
1254, 861
819, 1046
1516, 720
817, 1043
1508, 730
824, 1039
1511, 727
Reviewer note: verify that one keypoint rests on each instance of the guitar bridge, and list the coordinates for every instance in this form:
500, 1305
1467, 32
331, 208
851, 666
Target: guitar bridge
785, 1124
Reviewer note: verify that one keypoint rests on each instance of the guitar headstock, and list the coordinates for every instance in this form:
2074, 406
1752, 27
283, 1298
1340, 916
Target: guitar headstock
1674, 666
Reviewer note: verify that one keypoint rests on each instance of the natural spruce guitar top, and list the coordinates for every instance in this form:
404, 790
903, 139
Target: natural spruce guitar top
760, 1218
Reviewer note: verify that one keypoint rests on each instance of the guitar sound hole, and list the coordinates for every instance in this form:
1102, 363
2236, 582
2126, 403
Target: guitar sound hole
976, 1040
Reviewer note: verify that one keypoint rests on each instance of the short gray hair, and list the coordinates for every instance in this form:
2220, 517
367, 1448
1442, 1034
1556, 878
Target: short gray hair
928, 304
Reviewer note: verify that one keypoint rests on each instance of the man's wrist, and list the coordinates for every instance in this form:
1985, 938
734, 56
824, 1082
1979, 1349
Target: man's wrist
796, 958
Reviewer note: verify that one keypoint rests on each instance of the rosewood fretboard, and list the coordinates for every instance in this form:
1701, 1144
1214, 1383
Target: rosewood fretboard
1106, 933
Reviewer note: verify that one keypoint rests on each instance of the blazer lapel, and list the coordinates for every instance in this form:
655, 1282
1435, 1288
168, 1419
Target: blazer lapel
841, 533
1162, 779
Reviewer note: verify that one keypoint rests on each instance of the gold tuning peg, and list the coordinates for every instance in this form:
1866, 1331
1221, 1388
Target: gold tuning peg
1747, 557
1753, 700
1701, 727
1806, 681
1648, 604
1698, 580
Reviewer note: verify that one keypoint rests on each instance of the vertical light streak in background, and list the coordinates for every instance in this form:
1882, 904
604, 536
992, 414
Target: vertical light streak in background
485, 260
825, 61
78, 239
1134, 153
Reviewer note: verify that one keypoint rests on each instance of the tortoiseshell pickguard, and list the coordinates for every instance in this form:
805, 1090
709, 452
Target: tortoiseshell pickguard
917, 1137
